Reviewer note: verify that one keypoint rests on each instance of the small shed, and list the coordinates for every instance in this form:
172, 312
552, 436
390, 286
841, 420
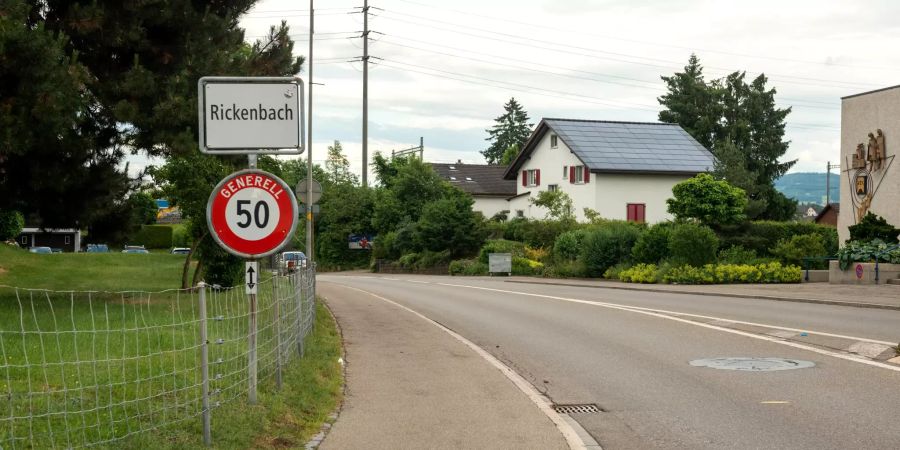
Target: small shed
67, 239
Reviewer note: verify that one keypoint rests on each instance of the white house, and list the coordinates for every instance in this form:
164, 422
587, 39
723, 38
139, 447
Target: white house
484, 182
622, 170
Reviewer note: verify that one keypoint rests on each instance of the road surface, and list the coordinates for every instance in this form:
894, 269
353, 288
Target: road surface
630, 353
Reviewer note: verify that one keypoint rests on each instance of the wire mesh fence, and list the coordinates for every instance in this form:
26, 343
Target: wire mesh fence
85, 369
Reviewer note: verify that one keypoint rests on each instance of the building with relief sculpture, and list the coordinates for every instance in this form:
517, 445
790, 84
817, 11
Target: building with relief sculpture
870, 133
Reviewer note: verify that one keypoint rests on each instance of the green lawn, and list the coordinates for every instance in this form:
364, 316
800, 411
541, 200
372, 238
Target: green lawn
67, 364
90, 271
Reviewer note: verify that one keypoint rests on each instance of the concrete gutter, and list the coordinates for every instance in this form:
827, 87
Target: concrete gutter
718, 294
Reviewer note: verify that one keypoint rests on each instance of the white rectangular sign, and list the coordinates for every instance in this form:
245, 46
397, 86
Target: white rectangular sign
251, 277
251, 115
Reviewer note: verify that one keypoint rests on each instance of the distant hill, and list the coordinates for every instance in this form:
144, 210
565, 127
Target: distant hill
809, 187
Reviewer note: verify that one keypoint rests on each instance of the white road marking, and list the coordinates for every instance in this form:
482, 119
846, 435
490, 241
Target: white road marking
662, 314
868, 349
564, 427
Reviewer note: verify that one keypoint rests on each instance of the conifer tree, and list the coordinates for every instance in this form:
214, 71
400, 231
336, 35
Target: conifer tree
511, 128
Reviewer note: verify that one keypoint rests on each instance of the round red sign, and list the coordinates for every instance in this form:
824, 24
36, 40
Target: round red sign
252, 213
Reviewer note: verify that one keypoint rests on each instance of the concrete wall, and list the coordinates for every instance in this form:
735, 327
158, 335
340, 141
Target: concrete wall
849, 276
551, 162
861, 115
616, 191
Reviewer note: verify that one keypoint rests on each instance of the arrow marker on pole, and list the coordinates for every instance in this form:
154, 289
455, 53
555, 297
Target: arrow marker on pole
251, 282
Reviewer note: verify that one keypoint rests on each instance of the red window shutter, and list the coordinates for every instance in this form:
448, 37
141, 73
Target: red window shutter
587, 175
537, 177
571, 174
524, 178
641, 213
630, 213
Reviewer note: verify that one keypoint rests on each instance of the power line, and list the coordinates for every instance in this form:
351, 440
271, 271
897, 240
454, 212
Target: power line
656, 44
803, 80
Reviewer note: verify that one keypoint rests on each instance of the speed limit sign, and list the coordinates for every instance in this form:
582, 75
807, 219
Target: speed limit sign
252, 213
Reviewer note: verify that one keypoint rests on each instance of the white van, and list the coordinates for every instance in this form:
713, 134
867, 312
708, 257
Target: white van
291, 261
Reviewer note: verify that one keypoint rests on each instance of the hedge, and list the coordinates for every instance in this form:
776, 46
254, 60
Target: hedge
153, 236
762, 236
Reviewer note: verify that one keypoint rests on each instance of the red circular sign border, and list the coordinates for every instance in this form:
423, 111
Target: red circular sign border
229, 241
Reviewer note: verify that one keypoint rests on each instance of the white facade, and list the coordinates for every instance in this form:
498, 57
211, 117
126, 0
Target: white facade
489, 205
607, 193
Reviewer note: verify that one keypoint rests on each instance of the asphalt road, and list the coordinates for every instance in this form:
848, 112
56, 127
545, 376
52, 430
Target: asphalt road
589, 345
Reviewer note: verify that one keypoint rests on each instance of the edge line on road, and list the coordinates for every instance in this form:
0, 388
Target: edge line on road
640, 310
565, 428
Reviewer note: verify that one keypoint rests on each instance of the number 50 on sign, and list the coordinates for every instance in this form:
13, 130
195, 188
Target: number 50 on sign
252, 213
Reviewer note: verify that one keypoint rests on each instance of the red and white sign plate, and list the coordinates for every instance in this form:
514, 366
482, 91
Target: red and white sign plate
252, 213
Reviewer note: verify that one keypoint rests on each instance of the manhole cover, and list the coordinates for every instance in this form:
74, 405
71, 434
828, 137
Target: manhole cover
753, 364
589, 408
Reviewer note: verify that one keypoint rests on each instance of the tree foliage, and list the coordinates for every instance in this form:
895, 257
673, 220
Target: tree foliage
707, 200
510, 129
558, 204
740, 123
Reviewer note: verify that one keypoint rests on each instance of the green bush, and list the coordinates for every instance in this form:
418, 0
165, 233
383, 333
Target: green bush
383, 246
798, 247
469, 267
641, 273
613, 272
739, 255
607, 245
180, 236
691, 244
568, 245
873, 227
868, 251
543, 233
153, 236
526, 267
653, 245
761, 236
501, 246
11, 224
565, 269
772, 272
424, 259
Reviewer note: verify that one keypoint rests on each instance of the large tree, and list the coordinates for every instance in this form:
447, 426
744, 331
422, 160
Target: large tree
511, 128
740, 123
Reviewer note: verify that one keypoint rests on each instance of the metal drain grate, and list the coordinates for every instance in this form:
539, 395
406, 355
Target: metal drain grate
588, 408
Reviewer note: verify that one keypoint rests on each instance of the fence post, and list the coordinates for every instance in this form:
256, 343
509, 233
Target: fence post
251, 353
204, 366
277, 330
301, 293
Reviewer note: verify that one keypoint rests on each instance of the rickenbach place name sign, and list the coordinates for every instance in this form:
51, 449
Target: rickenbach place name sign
247, 115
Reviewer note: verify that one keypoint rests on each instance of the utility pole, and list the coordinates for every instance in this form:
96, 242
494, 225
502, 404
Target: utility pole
365, 120
309, 127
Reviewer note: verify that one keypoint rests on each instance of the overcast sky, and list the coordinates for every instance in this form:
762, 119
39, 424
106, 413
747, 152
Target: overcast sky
442, 70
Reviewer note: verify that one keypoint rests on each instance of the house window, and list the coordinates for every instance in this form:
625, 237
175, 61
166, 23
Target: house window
520, 213
531, 177
565, 171
554, 141
552, 187
25, 240
636, 212
579, 174
68, 240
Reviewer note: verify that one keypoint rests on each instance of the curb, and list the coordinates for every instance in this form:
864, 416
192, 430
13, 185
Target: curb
720, 294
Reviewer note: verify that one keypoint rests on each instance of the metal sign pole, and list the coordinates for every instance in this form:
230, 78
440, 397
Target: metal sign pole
277, 330
204, 366
252, 286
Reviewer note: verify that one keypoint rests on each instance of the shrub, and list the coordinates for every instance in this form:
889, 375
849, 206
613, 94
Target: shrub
653, 245
11, 224
515, 229
501, 246
691, 244
772, 272
607, 245
525, 266
761, 236
384, 246
873, 227
613, 272
739, 255
424, 259
543, 233
568, 245
536, 254
154, 236
565, 269
856, 251
641, 273
468, 267
710, 201
798, 247
180, 236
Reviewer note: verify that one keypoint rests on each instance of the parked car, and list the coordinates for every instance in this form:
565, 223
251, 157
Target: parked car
180, 251
55, 249
41, 250
134, 249
291, 261
97, 248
